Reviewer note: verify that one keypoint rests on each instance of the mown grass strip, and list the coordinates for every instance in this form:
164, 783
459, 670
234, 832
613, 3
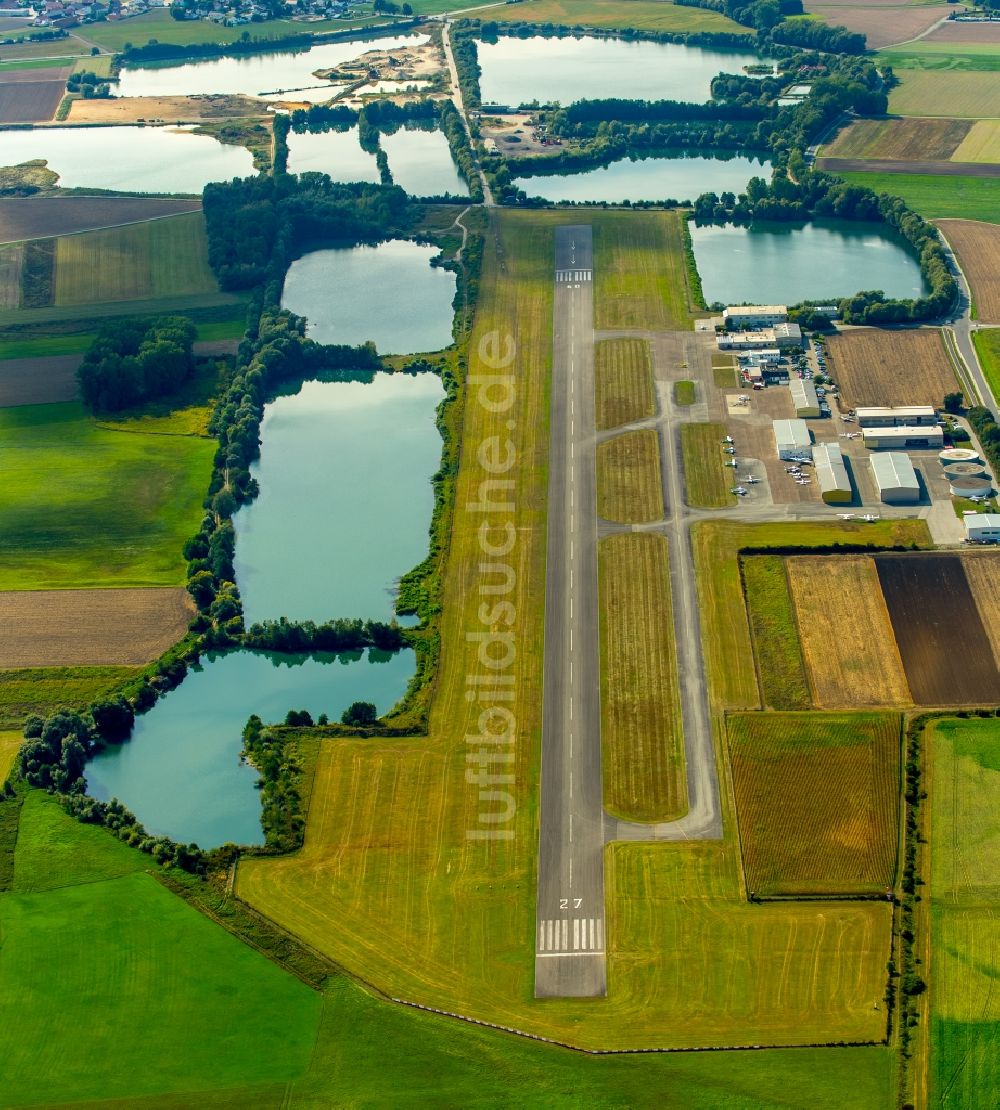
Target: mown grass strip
623, 380
629, 486
705, 478
775, 633
641, 729
684, 393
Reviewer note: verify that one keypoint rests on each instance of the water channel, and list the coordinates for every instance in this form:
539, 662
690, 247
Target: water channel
671, 175
254, 74
560, 70
389, 294
778, 263
132, 158
180, 773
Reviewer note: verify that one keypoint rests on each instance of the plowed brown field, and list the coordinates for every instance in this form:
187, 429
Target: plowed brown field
978, 248
889, 367
982, 570
883, 23
64, 628
900, 139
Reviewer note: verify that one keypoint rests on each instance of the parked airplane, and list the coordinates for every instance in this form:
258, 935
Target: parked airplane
740, 491
751, 480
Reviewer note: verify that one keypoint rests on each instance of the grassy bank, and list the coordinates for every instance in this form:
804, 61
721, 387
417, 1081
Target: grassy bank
988, 349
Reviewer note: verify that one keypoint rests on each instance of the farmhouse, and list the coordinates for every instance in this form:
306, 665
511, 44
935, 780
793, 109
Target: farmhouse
792, 439
896, 479
754, 316
902, 437
913, 416
831, 473
804, 397
982, 527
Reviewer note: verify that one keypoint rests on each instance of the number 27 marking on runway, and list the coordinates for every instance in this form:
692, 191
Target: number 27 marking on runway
564, 903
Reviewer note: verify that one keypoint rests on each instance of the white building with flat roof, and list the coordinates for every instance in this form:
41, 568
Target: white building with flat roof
791, 439
804, 397
831, 473
982, 527
911, 416
754, 315
902, 438
896, 479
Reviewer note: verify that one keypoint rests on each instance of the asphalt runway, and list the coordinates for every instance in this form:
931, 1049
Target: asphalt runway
570, 927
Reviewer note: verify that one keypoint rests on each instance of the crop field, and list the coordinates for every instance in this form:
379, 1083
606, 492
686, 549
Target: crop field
38, 381
9, 744
65, 482
643, 15
847, 638
960, 95
74, 628
936, 197
725, 629
641, 733
982, 144
159, 258
939, 630
965, 924
883, 24
11, 263
817, 798
876, 367
37, 217
987, 344
629, 484
706, 481
33, 101
976, 34
775, 634
623, 379
982, 571
903, 139
978, 248
44, 689
935, 55
640, 272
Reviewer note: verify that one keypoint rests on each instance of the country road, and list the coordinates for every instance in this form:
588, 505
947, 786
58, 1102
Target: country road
459, 100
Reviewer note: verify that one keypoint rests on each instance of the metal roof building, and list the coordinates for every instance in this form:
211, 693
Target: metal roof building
902, 438
831, 473
880, 416
803, 397
754, 315
791, 438
896, 479
982, 527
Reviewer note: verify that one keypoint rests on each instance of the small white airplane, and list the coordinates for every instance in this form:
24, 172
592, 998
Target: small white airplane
730, 462
870, 518
728, 439
847, 516
792, 470
751, 480
740, 491
730, 450
803, 481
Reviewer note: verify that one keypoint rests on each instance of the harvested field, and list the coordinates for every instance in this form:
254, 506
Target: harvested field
942, 642
817, 800
884, 24
954, 31
158, 258
641, 732
706, 480
847, 638
32, 101
899, 139
38, 381
966, 95
872, 366
11, 264
43, 690
776, 646
629, 487
645, 15
982, 144
46, 217
978, 248
931, 169
623, 378
68, 628
982, 570
165, 109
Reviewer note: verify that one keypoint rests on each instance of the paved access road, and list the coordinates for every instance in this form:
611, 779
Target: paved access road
570, 933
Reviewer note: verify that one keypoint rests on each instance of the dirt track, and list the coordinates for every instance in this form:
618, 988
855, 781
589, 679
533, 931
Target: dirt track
43, 217
937, 169
66, 628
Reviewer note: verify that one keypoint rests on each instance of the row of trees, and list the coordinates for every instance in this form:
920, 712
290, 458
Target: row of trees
769, 19
134, 360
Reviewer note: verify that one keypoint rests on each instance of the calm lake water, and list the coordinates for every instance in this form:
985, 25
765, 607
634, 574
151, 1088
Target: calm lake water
336, 153
673, 175
180, 773
255, 74
389, 294
776, 263
140, 159
518, 71
345, 498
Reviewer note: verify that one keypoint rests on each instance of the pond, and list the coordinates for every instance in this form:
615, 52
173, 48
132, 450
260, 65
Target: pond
345, 498
671, 175
253, 74
777, 263
129, 158
561, 70
337, 153
180, 773
388, 293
